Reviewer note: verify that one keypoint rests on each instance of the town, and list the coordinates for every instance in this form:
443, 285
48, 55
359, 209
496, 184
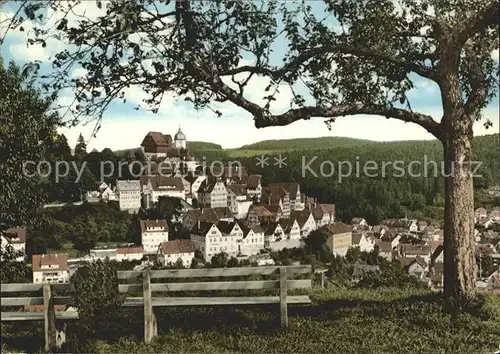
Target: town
228, 213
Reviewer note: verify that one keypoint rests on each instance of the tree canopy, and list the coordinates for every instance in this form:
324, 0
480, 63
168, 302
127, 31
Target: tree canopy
27, 129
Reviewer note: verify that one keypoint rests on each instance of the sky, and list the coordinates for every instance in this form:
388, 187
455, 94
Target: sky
123, 127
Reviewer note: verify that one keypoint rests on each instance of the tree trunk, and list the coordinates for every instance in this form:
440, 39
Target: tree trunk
459, 242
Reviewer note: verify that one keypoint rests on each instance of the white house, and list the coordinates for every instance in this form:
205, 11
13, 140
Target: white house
253, 240
158, 186
129, 195
211, 239
196, 185
212, 194
415, 266
16, 238
291, 228
235, 193
254, 187
293, 193
273, 233
361, 240
50, 268
305, 220
170, 252
129, 254
153, 232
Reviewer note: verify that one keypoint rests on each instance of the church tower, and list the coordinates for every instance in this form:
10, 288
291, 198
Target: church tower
180, 139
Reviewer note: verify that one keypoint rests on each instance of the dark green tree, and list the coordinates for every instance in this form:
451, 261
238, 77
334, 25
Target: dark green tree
26, 129
11, 269
80, 148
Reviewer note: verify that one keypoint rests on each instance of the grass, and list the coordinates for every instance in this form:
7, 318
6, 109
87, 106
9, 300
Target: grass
339, 321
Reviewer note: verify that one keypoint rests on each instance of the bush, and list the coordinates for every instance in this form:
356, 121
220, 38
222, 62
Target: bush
391, 276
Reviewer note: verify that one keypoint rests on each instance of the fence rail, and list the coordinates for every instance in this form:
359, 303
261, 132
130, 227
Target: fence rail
53, 328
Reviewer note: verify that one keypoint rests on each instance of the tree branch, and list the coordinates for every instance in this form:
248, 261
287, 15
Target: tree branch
263, 118
342, 49
482, 19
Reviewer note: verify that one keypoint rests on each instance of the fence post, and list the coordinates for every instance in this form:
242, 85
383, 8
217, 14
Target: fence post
283, 305
49, 318
150, 328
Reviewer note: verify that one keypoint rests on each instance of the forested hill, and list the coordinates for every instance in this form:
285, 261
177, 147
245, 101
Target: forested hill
202, 145
305, 143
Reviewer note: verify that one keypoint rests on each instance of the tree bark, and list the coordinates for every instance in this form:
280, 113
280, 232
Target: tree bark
459, 242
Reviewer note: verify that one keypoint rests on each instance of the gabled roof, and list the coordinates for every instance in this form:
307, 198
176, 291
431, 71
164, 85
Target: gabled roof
226, 227
201, 228
157, 138
275, 209
177, 246
237, 189
261, 211
253, 181
407, 262
290, 187
337, 228
421, 250
356, 238
54, 259
134, 185
129, 250
301, 216
271, 228
15, 234
162, 223
286, 224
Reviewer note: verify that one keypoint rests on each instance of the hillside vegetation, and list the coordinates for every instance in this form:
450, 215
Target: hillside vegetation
305, 143
202, 145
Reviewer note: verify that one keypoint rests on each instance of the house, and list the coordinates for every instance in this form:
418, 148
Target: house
129, 195
231, 240
16, 238
211, 239
359, 223
480, 213
206, 238
438, 255
187, 188
232, 173
254, 187
391, 237
292, 189
322, 215
129, 254
273, 233
212, 193
361, 240
422, 225
277, 195
50, 268
306, 222
493, 280
385, 249
339, 238
414, 251
205, 214
223, 214
156, 144
380, 230
253, 240
275, 210
195, 185
495, 214
238, 200
258, 215
161, 186
417, 267
171, 251
290, 228
153, 232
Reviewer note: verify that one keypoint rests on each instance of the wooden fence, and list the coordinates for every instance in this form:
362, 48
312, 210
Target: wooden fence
54, 330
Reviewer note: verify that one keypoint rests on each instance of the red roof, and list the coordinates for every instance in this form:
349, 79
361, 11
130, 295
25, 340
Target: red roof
129, 250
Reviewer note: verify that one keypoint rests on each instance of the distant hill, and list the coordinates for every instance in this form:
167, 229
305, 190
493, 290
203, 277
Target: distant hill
202, 145
305, 143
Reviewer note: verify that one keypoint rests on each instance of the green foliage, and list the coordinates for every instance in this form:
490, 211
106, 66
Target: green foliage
96, 297
219, 260
80, 147
27, 128
391, 276
202, 145
12, 270
306, 144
